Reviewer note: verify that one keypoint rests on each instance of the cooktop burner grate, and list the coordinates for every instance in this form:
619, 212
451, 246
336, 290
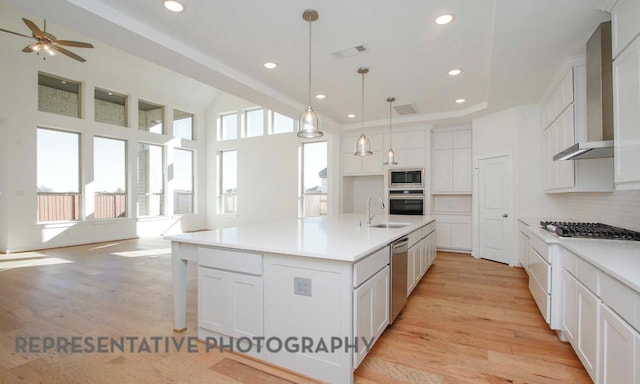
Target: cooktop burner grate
589, 230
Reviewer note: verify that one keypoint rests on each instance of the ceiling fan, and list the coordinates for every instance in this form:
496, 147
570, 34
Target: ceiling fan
47, 42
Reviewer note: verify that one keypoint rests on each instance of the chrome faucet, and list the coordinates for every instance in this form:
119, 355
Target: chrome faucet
369, 215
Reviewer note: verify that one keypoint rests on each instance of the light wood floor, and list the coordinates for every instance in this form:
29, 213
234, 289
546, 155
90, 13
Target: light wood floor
469, 321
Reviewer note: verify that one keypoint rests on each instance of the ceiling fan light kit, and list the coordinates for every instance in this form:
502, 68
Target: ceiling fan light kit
48, 43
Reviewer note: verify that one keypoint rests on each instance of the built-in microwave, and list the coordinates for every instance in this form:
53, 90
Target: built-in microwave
406, 178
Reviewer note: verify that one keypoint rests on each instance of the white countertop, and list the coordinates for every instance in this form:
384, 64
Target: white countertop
618, 258
338, 237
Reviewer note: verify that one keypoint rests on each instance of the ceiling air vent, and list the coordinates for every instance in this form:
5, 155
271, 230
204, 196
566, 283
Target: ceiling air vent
351, 51
405, 109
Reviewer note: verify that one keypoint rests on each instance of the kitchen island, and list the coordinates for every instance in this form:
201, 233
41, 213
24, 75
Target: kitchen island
311, 295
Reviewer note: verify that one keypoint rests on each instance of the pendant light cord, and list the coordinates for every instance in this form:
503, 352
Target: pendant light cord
363, 103
310, 62
390, 146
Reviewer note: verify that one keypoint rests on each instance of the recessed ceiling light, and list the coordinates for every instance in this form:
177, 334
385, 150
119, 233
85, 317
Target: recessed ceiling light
444, 19
320, 96
64, 82
455, 72
110, 93
351, 116
270, 65
174, 6
460, 101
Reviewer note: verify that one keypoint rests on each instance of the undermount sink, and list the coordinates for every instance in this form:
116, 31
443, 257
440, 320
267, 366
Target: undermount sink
389, 225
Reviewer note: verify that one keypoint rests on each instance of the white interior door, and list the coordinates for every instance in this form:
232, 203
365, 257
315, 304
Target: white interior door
495, 202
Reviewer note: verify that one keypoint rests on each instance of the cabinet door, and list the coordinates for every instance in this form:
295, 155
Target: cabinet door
548, 139
625, 24
245, 305
443, 235
363, 323
569, 307
424, 256
213, 294
523, 249
617, 341
461, 236
462, 170
442, 140
411, 157
565, 137
411, 268
351, 164
587, 346
442, 170
373, 163
380, 307
626, 88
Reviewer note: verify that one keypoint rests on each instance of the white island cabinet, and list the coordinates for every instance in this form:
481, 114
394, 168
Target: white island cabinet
310, 295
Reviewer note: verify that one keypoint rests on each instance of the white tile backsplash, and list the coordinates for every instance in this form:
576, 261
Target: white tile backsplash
620, 208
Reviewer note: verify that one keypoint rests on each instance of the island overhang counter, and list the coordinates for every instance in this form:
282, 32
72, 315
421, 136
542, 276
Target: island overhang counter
311, 295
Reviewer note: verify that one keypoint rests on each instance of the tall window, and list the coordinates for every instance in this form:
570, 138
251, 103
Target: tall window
281, 123
254, 122
314, 179
150, 180
58, 175
182, 181
150, 117
228, 177
182, 124
229, 126
109, 178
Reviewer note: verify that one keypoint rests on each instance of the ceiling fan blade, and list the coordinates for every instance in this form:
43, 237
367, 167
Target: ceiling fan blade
68, 53
15, 33
68, 43
37, 33
29, 48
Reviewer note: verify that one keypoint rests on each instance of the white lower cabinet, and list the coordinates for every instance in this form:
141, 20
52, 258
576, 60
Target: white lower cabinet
421, 255
371, 308
230, 303
619, 361
523, 246
569, 307
413, 268
586, 345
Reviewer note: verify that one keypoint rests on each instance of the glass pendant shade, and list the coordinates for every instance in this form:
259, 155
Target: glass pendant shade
390, 158
308, 124
363, 146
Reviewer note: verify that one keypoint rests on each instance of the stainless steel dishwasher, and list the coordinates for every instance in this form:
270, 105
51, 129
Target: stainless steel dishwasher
399, 255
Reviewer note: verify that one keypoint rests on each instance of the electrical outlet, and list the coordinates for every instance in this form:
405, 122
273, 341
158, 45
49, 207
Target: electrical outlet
302, 286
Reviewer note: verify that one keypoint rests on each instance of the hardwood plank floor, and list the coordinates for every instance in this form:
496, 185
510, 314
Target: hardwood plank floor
468, 321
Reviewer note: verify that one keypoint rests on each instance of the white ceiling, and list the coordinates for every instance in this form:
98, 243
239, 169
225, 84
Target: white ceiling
510, 50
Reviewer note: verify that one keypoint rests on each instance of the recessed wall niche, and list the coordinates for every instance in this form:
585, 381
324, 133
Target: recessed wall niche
58, 95
110, 107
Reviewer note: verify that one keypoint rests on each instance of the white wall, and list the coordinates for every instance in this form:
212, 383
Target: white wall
106, 68
517, 132
268, 171
358, 189
620, 208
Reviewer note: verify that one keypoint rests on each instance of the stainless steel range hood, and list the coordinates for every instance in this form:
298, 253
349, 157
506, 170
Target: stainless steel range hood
599, 140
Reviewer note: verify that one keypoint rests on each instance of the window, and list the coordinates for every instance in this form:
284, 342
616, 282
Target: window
182, 181
182, 124
109, 178
58, 175
229, 126
150, 180
58, 95
314, 179
110, 107
282, 123
254, 123
150, 117
228, 177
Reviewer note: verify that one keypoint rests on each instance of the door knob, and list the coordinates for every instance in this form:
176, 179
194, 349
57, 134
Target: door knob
505, 215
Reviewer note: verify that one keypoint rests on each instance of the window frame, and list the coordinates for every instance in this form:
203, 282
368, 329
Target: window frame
221, 194
127, 211
193, 124
301, 206
193, 183
272, 123
163, 130
79, 194
126, 106
64, 80
221, 125
246, 122
163, 194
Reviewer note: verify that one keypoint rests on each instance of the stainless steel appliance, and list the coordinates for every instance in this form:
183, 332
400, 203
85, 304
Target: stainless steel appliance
589, 230
406, 202
406, 178
399, 256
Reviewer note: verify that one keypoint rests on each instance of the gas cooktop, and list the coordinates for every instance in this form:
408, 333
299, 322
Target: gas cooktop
589, 230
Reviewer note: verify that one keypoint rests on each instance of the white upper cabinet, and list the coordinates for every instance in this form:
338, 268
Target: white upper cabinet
625, 20
451, 161
626, 117
564, 118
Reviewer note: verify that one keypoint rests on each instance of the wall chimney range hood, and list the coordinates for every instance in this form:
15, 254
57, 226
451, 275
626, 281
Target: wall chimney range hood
599, 140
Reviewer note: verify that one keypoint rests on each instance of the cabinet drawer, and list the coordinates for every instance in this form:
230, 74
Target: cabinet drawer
541, 247
541, 297
588, 275
414, 237
569, 261
540, 269
237, 261
367, 267
622, 299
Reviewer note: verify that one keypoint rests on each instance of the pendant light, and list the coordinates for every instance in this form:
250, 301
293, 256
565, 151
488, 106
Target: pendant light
309, 123
391, 156
363, 145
